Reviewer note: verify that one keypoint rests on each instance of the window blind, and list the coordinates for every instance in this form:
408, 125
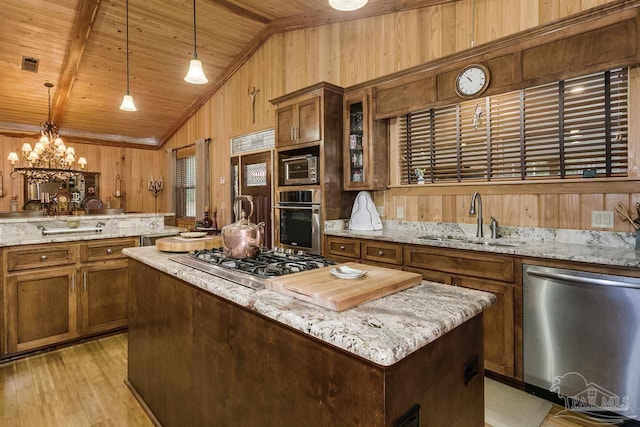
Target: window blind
558, 130
185, 187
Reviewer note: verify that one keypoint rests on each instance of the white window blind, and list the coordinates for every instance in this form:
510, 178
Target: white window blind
185, 187
558, 130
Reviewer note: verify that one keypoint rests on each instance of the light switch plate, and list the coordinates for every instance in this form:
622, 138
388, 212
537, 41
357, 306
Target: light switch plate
400, 212
223, 180
602, 219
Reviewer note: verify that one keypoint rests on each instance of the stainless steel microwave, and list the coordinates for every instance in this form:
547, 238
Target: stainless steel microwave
301, 170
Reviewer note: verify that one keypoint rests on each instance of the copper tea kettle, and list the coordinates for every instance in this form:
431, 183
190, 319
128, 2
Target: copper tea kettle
243, 239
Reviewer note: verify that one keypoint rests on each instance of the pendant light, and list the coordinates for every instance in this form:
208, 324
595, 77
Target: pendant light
347, 5
195, 75
127, 100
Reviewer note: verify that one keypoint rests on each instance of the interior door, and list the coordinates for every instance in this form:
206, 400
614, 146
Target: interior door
255, 181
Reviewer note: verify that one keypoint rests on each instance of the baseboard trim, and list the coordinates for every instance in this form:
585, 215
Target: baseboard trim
142, 404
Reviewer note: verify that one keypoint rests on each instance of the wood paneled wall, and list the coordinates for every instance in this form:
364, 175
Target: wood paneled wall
353, 52
136, 167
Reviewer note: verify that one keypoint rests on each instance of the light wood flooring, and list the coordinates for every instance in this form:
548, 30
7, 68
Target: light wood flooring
83, 385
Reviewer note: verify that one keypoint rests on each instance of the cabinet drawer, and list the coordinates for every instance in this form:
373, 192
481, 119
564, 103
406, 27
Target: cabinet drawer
40, 256
105, 249
432, 276
457, 262
382, 252
343, 247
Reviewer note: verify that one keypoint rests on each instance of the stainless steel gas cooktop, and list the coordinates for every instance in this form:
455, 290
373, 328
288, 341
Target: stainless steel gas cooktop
252, 272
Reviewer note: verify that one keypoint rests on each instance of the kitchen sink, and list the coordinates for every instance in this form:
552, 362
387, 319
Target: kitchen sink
455, 239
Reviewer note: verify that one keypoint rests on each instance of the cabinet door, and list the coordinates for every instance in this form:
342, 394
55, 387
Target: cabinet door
356, 144
41, 308
103, 296
499, 324
285, 123
308, 118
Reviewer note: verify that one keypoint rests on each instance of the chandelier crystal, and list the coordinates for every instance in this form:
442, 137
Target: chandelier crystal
49, 159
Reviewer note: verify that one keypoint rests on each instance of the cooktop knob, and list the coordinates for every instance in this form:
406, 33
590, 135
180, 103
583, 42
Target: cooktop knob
289, 251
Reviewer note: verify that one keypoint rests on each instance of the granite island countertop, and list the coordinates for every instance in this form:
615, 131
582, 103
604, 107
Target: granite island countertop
589, 247
383, 331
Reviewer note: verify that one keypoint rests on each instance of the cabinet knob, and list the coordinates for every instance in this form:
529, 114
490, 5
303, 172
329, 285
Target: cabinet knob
43, 258
342, 247
109, 251
380, 253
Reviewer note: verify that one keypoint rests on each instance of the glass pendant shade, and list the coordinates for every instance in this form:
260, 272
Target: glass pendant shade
347, 5
195, 75
127, 103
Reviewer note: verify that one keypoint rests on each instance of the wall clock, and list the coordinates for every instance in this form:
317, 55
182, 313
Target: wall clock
472, 80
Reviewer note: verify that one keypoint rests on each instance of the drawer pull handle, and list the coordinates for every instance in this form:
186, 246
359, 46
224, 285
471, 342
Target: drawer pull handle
43, 258
380, 253
84, 277
342, 247
109, 251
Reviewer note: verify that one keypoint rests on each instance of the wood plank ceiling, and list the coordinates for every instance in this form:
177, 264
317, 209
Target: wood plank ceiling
81, 48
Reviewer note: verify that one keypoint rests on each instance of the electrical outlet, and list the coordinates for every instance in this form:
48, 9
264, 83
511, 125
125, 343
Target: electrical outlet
400, 212
602, 219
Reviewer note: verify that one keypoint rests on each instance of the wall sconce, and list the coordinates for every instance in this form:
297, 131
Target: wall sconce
118, 182
82, 162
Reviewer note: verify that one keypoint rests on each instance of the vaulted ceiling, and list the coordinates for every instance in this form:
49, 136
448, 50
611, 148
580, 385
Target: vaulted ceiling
80, 45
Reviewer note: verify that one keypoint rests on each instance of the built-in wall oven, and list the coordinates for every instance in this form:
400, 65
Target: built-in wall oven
298, 220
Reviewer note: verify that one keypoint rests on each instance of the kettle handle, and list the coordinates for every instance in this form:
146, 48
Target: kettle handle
245, 198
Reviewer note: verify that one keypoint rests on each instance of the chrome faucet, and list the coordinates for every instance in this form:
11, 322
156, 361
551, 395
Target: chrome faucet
472, 211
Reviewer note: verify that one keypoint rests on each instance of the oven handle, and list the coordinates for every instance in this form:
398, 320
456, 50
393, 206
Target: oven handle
315, 208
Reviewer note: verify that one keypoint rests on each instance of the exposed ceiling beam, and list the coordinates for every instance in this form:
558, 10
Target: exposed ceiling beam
297, 22
85, 17
241, 11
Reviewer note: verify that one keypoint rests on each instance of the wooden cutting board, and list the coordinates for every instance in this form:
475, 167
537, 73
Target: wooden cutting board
181, 244
321, 288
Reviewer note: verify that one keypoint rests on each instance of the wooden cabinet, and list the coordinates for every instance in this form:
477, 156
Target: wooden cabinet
40, 308
298, 122
59, 292
483, 272
103, 296
366, 145
474, 270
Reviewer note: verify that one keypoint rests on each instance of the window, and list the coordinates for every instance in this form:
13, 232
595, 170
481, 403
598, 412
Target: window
571, 128
185, 187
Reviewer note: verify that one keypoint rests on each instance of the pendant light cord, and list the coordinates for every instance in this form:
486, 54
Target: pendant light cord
195, 44
127, 32
49, 90
473, 23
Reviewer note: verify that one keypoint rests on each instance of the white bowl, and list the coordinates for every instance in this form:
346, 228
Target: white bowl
347, 273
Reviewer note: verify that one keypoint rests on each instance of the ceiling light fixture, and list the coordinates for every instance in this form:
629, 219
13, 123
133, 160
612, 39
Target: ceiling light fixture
347, 5
195, 75
127, 100
49, 159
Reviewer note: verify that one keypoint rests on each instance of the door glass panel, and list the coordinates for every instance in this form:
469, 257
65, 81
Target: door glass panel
356, 151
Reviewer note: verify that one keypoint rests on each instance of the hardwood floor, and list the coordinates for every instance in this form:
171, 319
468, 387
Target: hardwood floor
83, 385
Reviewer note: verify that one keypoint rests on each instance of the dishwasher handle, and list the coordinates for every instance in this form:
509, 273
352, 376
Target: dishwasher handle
581, 280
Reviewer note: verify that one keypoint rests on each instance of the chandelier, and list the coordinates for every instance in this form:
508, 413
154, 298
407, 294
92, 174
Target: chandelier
49, 160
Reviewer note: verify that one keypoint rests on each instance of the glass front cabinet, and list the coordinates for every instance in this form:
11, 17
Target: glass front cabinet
366, 147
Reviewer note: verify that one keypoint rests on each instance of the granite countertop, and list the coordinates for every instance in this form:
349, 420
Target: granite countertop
383, 331
83, 217
622, 255
34, 239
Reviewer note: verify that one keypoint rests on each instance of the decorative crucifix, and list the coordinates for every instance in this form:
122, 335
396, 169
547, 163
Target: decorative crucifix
252, 94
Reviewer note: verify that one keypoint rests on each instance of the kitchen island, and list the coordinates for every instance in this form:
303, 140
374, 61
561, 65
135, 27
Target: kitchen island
206, 351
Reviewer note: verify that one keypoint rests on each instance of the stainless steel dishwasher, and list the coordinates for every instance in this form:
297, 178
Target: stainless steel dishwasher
583, 325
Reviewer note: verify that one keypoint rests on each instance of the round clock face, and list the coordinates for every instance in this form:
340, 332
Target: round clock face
472, 80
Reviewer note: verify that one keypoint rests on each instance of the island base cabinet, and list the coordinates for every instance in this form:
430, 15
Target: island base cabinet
198, 360
41, 308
